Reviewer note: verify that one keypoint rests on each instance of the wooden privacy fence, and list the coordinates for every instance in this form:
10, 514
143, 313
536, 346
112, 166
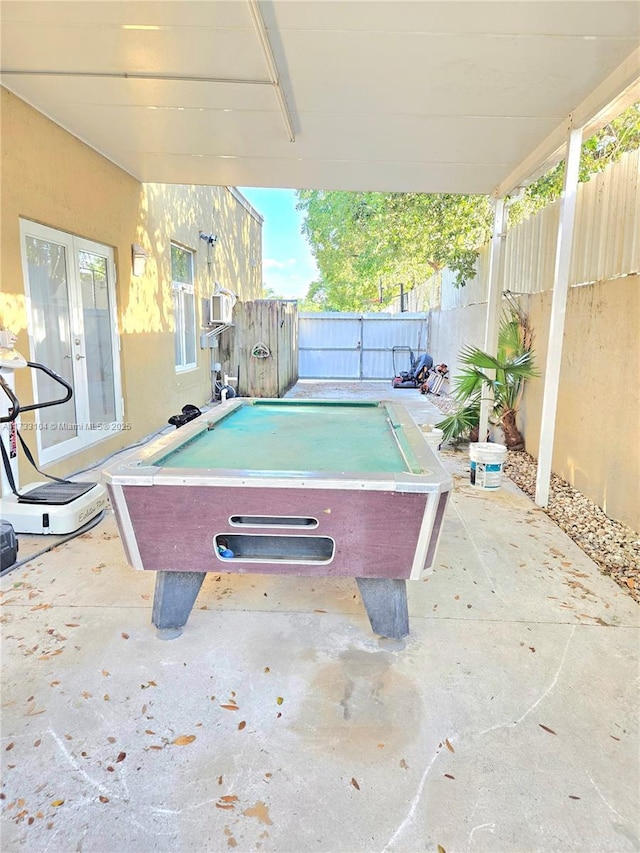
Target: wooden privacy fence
265, 351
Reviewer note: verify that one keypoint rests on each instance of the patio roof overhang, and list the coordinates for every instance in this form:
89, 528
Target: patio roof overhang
457, 96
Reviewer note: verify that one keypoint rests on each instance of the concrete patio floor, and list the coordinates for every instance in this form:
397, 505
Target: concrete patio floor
506, 722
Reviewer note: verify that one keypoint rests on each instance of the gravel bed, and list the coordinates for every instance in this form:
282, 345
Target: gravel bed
612, 545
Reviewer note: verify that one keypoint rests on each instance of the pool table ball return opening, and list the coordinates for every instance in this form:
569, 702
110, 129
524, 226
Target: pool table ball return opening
263, 486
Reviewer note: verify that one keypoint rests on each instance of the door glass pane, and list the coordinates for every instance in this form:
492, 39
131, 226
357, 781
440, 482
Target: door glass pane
50, 317
184, 306
97, 336
177, 335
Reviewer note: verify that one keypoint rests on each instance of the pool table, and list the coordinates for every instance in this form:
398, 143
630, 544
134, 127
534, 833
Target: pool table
297, 487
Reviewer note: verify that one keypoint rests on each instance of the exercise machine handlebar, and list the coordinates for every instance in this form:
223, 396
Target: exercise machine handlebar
15, 403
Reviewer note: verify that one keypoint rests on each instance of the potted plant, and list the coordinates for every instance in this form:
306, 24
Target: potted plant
508, 371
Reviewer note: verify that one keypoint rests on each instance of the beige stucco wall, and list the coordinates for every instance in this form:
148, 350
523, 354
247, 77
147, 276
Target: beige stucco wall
52, 178
175, 213
597, 440
597, 434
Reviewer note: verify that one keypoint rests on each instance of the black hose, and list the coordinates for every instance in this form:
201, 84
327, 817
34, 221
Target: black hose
122, 450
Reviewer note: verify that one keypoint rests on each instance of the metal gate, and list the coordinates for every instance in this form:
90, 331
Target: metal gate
334, 345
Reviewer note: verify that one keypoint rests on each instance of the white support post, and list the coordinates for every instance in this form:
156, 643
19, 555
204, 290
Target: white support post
558, 310
493, 304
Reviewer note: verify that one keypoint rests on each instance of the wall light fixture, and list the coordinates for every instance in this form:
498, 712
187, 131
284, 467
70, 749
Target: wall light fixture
139, 259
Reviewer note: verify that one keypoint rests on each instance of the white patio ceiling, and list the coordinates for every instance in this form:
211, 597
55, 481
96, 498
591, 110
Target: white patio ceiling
424, 96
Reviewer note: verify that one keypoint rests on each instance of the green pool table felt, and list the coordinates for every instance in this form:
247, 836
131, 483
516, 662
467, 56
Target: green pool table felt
281, 437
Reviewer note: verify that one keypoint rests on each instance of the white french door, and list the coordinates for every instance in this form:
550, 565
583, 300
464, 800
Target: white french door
70, 288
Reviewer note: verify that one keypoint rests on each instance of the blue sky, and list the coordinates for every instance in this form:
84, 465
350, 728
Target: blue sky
288, 267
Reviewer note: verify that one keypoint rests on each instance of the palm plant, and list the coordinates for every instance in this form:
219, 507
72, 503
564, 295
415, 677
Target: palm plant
504, 374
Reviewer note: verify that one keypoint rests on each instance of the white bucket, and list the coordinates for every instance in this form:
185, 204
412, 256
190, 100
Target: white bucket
433, 435
486, 464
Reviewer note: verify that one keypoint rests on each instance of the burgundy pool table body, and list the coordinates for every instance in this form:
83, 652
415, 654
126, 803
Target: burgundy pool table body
384, 527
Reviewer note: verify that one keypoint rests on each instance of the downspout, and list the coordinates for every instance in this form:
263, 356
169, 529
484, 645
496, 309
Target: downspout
564, 246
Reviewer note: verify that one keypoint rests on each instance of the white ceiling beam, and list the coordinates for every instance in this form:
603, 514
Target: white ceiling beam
265, 44
132, 75
617, 92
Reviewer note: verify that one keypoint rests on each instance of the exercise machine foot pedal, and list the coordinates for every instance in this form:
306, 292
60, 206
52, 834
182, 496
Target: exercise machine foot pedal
56, 494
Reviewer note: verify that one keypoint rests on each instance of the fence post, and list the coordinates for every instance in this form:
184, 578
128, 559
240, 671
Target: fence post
493, 304
558, 310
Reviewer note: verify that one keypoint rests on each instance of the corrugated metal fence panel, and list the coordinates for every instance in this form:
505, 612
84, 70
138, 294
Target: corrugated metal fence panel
423, 297
328, 345
474, 291
606, 240
357, 346
606, 243
381, 333
630, 261
530, 252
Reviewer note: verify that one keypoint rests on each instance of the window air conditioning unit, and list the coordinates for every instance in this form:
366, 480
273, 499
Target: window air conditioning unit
221, 308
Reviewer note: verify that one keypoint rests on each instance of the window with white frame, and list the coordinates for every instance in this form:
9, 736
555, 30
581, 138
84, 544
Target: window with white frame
184, 306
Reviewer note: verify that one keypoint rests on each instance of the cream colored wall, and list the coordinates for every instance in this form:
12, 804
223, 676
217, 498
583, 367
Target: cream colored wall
597, 439
597, 435
176, 213
52, 178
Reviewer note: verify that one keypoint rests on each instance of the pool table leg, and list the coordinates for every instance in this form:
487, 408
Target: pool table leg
385, 600
174, 597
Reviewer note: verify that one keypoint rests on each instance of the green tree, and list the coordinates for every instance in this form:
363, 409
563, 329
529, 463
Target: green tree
269, 293
365, 244
318, 299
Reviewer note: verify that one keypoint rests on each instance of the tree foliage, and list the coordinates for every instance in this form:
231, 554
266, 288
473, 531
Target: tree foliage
269, 293
366, 244
620, 135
